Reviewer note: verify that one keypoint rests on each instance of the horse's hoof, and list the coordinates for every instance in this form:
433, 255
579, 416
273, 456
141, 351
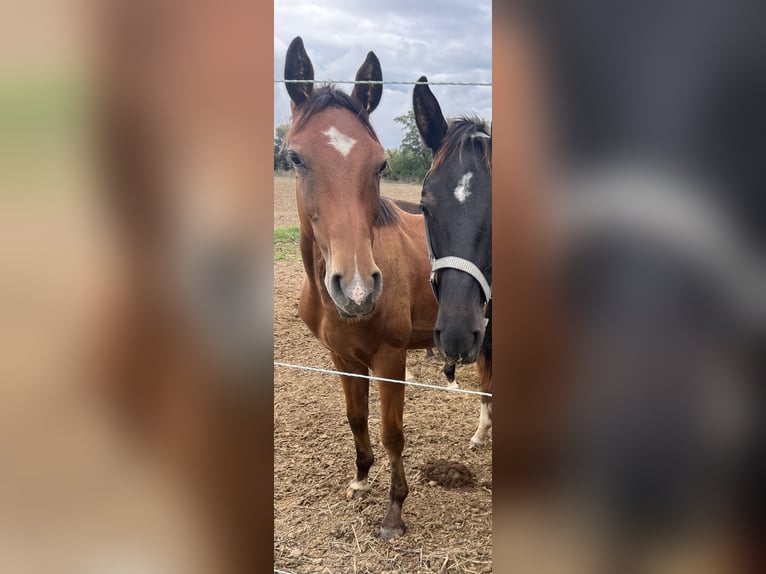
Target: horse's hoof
390, 533
357, 489
452, 385
475, 443
356, 493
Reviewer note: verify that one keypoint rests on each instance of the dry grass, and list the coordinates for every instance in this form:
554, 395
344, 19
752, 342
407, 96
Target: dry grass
315, 528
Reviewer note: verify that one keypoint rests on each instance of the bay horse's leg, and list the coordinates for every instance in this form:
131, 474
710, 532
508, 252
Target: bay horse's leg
484, 365
392, 366
357, 390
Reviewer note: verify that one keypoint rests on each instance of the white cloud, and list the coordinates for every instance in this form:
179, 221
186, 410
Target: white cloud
446, 41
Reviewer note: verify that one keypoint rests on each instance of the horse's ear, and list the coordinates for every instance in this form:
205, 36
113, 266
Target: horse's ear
428, 115
298, 67
369, 94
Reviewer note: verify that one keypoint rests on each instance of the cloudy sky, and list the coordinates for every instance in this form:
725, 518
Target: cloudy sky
445, 40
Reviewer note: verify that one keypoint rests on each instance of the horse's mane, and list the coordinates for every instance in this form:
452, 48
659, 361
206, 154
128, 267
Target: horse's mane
408, 206
329, 96
462, 133
386, 214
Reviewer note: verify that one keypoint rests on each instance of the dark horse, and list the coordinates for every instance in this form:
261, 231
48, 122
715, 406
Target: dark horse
353, 242
457, 205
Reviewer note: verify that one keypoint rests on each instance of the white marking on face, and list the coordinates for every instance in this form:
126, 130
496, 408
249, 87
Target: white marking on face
358, 292
339, 141
463, 189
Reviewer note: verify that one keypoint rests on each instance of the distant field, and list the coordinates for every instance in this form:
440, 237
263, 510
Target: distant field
286, 212
286, 244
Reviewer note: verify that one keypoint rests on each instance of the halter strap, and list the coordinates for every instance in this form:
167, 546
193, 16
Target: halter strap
452, 262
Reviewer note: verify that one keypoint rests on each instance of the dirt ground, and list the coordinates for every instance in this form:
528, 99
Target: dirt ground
315, 528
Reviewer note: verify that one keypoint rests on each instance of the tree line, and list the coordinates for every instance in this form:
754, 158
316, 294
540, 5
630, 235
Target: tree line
408, 163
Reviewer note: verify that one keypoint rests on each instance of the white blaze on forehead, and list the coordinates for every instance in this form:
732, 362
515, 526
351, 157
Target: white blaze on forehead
339, 141
463, 189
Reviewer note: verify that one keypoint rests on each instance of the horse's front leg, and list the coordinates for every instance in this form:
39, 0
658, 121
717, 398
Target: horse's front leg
391, 365
479, 438
484, 365
356, 391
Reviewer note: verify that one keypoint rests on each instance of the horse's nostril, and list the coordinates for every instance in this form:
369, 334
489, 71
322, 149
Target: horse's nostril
377, 281
335, 284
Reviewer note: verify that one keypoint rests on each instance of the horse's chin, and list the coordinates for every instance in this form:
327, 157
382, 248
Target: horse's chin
356, 312
459, 360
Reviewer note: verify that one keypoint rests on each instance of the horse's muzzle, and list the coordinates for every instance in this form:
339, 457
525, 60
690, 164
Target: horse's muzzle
355, 298
458, 344
352, 309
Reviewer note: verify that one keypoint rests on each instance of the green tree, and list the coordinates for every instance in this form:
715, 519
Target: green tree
412, 159
281, 163
411, 141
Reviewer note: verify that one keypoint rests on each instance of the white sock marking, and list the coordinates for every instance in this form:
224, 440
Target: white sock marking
359, 485
485, 423
356, 486
339, 141
462, 191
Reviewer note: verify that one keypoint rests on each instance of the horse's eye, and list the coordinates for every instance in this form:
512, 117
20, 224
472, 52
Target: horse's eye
383, 167
295, 159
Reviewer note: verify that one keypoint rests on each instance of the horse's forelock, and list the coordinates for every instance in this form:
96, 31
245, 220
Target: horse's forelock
329, 96
464, 131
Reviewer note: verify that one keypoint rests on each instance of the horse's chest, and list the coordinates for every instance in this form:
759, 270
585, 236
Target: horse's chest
353, 340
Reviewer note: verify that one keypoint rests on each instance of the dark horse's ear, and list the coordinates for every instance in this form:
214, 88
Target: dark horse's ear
298, 67
369, 94
428, 115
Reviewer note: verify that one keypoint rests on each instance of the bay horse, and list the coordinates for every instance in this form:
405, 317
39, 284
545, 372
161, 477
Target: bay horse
457, 206
353, 242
